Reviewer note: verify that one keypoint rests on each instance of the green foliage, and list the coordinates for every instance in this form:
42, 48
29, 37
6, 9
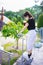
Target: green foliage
25, 31
40, 21
15, 51
9, 13
7, 45
14, 60
12, 29
10, 17
19, 15
41, 6
35, 11
11, 61
14, 19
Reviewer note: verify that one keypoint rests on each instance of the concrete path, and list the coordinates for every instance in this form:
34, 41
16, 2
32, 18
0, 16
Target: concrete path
38, 56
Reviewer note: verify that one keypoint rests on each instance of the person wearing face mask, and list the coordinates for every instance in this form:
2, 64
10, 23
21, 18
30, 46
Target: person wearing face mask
29, 23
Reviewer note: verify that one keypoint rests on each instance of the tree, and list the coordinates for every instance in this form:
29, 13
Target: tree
40, 21
41, 6
9, 14
10, 17
19, 18
37, 11
12, 29
19, 13
14, 19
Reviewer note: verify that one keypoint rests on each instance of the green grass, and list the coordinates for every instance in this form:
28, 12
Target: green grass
16, 51
19, 52
11, 61
7, 45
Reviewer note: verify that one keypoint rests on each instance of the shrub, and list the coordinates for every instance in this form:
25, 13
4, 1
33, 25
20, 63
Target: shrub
11, 61
40, 21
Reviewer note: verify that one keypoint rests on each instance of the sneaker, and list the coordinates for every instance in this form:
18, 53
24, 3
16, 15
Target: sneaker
25, 56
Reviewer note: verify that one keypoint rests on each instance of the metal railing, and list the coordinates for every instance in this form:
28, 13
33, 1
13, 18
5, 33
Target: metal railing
4, 57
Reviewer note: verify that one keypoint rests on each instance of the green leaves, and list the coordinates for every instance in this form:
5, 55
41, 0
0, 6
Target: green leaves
25, 31
19, 26
12, 29
9, 29
40, 21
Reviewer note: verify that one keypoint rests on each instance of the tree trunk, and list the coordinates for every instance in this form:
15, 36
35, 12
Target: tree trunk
17, 43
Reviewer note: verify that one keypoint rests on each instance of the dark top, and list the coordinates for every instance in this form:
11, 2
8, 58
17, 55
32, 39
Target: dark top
31, 25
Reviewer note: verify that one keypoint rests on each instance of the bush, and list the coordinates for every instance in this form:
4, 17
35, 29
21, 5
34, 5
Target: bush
8, 46
12, 61
12, 29
40, 21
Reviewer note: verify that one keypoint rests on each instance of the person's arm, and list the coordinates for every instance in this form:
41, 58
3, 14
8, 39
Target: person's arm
26, 25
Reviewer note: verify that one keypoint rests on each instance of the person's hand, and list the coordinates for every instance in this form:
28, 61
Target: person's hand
19, 34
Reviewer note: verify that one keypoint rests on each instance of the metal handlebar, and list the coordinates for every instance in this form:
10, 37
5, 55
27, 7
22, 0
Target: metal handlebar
20, 35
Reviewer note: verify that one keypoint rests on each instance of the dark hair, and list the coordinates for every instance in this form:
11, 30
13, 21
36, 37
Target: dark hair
27, 14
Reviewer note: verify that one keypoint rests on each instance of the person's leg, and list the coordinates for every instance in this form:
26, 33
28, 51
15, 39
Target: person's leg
29, 53
29, 46
30, 42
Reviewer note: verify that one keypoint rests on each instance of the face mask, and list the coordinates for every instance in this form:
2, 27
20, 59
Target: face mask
24, 21
27, 18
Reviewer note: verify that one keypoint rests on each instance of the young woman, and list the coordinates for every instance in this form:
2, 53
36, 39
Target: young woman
31, 35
